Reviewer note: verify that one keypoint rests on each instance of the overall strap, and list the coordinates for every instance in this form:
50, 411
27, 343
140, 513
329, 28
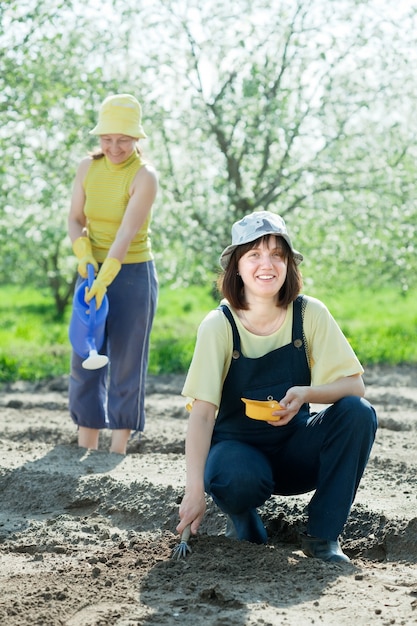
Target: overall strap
236, 336
298, 337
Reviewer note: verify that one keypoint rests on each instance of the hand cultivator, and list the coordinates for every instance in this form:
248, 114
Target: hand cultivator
182, 549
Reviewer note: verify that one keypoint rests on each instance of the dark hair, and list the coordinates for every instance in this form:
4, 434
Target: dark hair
230, 283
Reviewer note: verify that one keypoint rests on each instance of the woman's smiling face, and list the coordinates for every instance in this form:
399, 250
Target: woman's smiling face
117, 148
263, 268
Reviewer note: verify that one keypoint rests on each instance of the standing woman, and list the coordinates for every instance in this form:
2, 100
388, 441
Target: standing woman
266, 342
108, 225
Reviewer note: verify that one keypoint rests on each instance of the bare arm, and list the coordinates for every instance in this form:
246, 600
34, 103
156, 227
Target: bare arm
197, 445
143, 192
327, 394
76, 218
322, 394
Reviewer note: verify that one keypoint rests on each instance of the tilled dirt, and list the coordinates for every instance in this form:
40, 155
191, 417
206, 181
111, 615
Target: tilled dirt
86, 537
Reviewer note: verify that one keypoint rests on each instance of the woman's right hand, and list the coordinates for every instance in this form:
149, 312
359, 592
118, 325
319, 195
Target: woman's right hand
192, 510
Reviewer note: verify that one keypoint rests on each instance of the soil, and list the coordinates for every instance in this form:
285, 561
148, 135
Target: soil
86, 537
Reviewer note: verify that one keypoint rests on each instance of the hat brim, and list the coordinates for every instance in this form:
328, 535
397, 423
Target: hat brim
102, 129
227, 252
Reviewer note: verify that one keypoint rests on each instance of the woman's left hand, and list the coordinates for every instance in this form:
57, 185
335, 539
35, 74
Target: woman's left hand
291, 403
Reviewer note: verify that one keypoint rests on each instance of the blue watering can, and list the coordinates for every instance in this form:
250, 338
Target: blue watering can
86, 331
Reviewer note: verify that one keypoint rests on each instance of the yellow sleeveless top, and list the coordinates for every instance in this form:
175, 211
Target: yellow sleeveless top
106, 187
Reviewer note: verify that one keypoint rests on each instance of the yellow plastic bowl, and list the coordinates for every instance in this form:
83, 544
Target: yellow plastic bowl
262, 409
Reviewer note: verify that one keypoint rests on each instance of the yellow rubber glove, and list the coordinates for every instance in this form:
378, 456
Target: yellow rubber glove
108, 272
83, 252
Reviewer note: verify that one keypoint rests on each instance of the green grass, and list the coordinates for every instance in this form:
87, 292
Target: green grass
34, 345
173, 335
381, 326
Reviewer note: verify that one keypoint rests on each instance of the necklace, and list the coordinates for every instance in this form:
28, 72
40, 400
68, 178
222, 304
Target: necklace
266, 330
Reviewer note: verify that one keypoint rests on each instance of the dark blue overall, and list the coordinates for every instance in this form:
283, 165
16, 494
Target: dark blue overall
249, 460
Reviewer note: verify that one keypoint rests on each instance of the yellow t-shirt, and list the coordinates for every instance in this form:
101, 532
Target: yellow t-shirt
107, 188
329, 353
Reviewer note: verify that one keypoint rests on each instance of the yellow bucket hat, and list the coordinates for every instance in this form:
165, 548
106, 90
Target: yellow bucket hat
120, 114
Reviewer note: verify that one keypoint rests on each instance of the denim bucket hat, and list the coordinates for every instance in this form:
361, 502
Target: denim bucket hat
254, 226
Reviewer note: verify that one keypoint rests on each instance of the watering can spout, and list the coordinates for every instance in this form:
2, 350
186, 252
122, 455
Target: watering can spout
87, 326
94, 361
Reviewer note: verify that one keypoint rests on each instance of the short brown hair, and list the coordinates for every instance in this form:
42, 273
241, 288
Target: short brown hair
230, 283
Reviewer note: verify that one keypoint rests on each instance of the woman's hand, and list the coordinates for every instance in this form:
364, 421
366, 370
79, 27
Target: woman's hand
321, 394
291, 403
192, 510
